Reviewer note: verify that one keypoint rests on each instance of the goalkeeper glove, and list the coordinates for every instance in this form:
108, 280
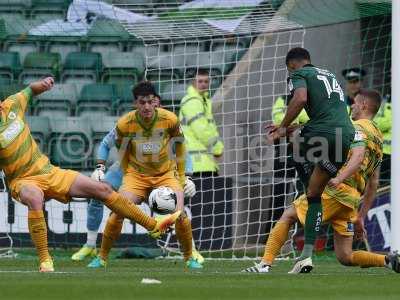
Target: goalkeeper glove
98, 174
190, 188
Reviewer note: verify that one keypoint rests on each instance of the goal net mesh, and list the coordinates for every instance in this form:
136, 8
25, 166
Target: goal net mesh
97, 50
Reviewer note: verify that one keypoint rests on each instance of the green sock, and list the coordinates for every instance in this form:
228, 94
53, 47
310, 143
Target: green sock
312, 227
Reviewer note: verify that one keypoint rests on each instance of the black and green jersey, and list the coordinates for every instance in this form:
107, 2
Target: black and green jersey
326, 106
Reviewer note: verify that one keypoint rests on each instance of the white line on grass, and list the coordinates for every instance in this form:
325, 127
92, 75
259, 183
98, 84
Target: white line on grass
26, 271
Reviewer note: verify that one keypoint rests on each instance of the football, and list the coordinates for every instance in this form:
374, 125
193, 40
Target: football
162, 200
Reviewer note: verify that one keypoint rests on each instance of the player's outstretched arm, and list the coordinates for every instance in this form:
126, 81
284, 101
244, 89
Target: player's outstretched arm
368, 201
41, 86
294, 108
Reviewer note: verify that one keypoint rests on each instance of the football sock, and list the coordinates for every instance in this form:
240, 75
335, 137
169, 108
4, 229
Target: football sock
312, 225
129, 210
276, 239
183, 229
38, 230
366, 259
91, 238
111, 233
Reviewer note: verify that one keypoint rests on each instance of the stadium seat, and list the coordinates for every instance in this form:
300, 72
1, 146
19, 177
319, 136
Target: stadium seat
149, 51
21, 47
10, 65
100, 129
63, 46
171, 95
96, 100
82, 65
213, 62
164, 68
70, 144
40, 64
105, 36
40, 130
18, 6
10, 89
50, 6
59, 102
232, 52
123, 67
124, 101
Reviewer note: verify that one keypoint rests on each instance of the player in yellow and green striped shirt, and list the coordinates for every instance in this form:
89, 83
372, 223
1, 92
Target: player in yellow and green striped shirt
33, 179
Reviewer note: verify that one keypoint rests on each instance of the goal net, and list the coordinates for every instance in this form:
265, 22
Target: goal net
97, 50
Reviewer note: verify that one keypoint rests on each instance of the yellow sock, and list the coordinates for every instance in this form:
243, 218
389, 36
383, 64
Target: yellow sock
129, 210
111, 233
38, 230
366, 259
277, 237
183, 229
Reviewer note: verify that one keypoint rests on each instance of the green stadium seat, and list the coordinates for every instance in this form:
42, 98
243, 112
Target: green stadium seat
70, 144
82, 65
40, 130
10, 89
164, 68
124, 101
232, 53
100, 129
10, 65
96, 100
59, 102
149, 51
171, 95
122, 67
105, 36
40, 64
22, 47
213, 62
18, 6
50, 6
63, 46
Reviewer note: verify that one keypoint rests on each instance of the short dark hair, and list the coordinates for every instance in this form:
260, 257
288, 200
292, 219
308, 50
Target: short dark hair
374, 98
157, 96
297, 53
202, 72
144, 89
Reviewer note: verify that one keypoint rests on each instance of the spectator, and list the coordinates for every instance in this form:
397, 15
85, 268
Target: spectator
354, 77
383, 120
202, 138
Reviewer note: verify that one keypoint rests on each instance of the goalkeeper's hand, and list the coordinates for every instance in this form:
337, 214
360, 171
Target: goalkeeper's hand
98, 174
190, 188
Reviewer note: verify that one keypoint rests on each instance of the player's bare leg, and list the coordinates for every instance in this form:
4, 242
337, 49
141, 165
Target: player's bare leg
32, 196
87, 188
276, 239
364, 259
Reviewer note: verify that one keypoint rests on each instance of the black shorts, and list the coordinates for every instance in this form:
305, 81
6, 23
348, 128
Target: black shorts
329, 151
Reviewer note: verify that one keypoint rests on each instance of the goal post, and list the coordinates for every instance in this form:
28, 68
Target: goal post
395, 176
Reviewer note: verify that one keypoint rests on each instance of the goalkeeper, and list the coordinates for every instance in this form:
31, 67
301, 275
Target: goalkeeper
342, 196
33, 179
147, 137
113, 177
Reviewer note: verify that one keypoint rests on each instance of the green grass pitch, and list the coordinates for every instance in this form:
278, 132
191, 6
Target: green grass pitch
19, 279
